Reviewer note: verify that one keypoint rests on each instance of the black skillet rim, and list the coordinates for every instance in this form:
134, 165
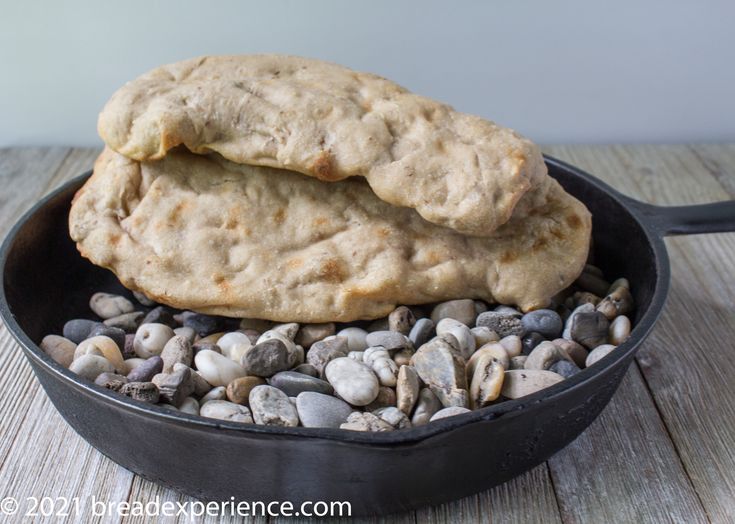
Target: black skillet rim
407, 436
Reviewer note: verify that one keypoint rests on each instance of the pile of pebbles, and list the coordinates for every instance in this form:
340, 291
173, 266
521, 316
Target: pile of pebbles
405, 370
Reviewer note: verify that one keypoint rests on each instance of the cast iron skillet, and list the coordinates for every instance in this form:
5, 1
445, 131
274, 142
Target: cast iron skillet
44, 282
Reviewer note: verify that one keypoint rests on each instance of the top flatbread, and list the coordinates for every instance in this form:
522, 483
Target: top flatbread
329, 122
200, 232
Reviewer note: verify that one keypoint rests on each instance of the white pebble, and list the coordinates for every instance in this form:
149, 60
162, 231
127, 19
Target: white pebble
151, 338
619, 330
217, 369
598, 354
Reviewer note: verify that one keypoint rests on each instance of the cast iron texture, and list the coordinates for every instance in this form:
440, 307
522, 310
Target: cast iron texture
44, 282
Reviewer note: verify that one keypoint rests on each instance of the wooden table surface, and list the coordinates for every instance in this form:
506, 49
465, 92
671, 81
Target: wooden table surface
662, 451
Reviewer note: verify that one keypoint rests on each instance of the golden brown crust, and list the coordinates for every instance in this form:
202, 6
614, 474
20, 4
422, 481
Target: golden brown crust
329, 122
200, 232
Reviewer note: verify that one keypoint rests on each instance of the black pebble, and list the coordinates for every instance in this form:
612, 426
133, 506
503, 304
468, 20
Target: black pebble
565, 368
116, 334
203, 324
79, 329
530, 341
160, 315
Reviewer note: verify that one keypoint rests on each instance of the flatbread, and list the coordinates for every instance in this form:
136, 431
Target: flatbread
200, 232
331, 123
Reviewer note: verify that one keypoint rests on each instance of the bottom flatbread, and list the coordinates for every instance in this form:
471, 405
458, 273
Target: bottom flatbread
202, 233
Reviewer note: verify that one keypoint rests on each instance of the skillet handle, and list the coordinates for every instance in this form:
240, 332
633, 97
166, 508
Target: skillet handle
718, 217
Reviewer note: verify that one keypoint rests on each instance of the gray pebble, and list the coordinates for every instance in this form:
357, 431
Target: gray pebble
426, 405
176, 351
59, 348
462, 310
452, 411
507, 310
421, 332
272, 407
128, 349
393, 416
355, 338
317, 410
390, 340
407, 389
293, 383
310, 333
364, 421
147, 370
266, 358
107, 305
160, 315
306, 369
322, 352
218, 393
116, 334
190, 406
142, 391
584, 308
128, 322
111, 381
224, 410
143, 300
353, 381
201, 386
91, 366
176, 386
565, 368
401, 320
589, 329
502, 323
203, 324
483, 335
443, 370
543, 321
79, 329
288, 330
186, 332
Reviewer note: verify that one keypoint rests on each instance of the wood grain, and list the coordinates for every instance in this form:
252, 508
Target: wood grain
688, 361
662, 451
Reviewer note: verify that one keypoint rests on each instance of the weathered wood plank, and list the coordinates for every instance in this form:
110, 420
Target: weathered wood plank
624, 468
526, 499
40, 455
688, 361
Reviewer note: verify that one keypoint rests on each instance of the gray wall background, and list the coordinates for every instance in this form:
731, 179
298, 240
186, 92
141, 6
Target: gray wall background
558, 71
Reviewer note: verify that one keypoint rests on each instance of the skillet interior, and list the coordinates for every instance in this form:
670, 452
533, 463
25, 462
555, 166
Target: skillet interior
46, 282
